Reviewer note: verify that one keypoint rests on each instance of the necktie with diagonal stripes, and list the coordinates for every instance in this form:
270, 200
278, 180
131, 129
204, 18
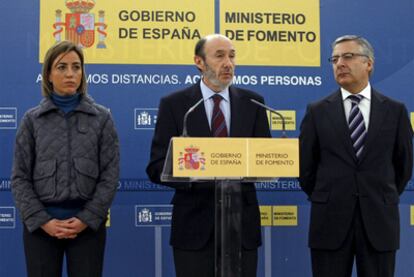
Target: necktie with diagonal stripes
356, 125
218, 123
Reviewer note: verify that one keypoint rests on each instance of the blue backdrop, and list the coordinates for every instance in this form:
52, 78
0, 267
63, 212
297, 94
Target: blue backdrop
137, 250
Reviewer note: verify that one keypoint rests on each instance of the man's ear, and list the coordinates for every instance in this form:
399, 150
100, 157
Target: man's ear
370, 65
199, 62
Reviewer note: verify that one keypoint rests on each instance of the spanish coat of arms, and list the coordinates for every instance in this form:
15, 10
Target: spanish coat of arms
80, 24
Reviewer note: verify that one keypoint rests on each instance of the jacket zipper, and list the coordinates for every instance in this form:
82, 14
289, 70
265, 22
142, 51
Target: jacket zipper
69, 156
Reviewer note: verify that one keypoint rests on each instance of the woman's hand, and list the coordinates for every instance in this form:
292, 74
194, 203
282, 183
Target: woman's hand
64, 229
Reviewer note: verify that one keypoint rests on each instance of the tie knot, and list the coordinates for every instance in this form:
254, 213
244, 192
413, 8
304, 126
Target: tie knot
217, 99
355, 99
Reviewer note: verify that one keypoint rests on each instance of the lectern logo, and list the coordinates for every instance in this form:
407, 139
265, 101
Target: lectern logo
80, 25
191, 159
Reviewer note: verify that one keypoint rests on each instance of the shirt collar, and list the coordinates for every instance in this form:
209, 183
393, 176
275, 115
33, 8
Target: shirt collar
208, 93
366, 92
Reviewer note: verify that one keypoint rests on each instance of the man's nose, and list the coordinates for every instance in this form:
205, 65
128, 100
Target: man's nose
341, 61
228, 62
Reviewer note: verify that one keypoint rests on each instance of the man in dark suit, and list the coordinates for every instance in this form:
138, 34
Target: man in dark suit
192, 233
356, 159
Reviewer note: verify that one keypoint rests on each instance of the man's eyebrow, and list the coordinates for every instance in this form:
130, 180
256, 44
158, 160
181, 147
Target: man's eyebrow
224, 51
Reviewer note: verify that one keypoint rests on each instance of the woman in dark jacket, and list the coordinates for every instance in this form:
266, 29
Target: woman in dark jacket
65, 171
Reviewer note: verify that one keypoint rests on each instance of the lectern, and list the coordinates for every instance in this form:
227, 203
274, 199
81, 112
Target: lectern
229, 162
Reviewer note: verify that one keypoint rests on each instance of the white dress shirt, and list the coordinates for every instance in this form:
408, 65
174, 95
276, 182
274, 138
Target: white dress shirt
364, 104
209, 103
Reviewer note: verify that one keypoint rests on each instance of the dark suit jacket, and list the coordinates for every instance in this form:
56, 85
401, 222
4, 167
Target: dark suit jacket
193, 212
333, 178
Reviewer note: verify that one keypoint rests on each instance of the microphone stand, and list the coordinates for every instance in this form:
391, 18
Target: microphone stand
190, 110
275, 112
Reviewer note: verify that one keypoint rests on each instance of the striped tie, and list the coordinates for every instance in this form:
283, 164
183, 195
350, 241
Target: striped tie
218, 124
357, 125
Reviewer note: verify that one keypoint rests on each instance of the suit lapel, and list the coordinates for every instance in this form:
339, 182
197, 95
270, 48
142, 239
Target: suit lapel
197, 121
237, 111
336, 113
377, 115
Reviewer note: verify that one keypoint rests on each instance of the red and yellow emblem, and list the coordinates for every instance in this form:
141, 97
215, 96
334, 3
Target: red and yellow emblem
191, 159
80, 24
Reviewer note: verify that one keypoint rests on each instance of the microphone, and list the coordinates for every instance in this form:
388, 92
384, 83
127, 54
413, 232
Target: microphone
190, 110
272, 111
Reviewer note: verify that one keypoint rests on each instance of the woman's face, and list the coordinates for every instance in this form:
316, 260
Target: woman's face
66, 73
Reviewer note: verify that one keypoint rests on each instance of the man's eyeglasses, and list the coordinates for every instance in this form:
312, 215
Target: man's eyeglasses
345, 57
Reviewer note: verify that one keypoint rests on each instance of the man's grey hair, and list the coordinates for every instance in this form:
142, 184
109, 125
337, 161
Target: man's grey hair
366, 47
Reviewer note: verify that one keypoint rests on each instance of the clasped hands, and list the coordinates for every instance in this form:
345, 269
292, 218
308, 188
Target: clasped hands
64, 229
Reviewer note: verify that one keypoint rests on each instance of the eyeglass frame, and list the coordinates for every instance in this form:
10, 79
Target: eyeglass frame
346, 56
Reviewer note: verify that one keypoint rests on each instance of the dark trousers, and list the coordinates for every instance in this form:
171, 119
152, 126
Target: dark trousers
200, 263
339, 263
84, 254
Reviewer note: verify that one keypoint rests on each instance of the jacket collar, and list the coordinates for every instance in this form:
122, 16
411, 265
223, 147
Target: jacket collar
86, 105
335, 111
198, 123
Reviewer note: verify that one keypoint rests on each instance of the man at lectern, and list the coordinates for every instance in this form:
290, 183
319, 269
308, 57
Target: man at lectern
356, 159
224, 111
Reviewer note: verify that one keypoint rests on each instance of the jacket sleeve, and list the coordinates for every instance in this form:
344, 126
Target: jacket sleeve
31, 209
95, 211
308, 152
166, 128
403, 151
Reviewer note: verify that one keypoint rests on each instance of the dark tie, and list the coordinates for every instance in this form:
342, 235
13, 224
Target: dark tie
357, 125
218, 124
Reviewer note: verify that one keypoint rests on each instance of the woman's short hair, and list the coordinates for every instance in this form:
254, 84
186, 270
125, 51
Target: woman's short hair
62, 47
